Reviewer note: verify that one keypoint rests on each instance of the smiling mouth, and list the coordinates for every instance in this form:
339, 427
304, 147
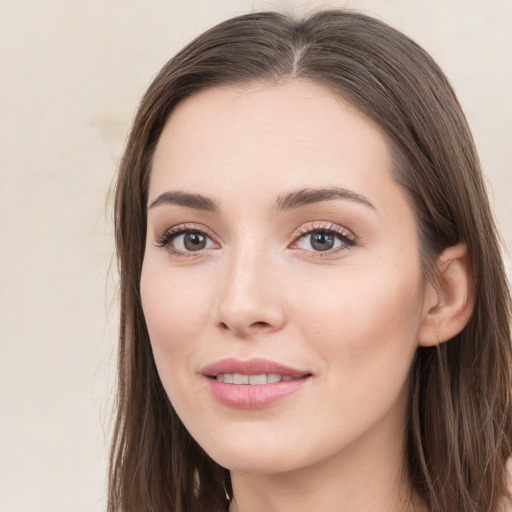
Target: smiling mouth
254, 391
253, 384
254, 372
254, 380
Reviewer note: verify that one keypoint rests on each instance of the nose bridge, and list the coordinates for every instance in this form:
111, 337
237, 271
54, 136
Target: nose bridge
249, 299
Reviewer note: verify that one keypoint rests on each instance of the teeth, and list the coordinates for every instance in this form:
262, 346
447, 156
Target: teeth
253, 380
240, 379
257, 379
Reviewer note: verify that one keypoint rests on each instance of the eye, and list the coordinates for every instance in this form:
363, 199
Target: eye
319, 241
191, 241
323, 239
183, 240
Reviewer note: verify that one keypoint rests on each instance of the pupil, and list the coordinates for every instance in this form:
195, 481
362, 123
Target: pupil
194, 241
322, 241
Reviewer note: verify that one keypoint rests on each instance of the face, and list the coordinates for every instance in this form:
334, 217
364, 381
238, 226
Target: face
281, 282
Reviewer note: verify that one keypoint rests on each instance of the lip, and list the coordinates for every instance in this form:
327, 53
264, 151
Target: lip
251, 367
247, 396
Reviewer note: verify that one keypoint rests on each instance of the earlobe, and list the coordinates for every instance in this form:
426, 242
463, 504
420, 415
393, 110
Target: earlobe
449, 303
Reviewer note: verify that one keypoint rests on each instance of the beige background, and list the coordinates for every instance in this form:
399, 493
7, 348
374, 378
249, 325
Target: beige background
71, 74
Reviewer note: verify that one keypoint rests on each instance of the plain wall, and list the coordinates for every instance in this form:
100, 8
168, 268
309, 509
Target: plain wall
71, 75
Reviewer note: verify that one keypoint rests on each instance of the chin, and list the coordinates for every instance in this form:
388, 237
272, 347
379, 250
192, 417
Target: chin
260, 455
254, 463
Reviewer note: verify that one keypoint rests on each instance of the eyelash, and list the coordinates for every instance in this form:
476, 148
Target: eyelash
165, 240
346, 238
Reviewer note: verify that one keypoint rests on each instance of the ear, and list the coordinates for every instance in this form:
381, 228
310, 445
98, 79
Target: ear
450, 300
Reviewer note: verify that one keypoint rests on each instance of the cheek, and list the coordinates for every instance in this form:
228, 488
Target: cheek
176, 312
368, 326
174, 316
366, 336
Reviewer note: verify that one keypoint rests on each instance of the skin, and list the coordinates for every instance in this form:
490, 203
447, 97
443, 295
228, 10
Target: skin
350, 316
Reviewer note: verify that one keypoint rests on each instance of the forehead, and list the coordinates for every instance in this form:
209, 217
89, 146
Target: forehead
264, 137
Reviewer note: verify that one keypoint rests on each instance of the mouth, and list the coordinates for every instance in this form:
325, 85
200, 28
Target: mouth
254, 372
254, 380
253, 384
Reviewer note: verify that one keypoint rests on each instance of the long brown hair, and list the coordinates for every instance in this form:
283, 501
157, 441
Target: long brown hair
460, 415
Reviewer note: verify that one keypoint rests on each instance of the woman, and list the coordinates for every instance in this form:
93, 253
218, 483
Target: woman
314, 313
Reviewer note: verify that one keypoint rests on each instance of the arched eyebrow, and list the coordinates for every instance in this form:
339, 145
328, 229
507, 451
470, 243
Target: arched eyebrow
290, 201
195, 201
309, 196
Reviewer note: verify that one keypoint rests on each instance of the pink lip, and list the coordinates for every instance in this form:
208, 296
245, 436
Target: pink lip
246, 396
250, 367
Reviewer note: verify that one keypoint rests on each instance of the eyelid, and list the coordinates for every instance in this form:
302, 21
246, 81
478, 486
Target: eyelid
171, 233
347, 237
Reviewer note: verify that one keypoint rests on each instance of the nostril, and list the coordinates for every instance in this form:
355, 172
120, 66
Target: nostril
260, 324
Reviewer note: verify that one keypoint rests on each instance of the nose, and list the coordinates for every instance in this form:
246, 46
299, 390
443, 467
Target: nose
251, 300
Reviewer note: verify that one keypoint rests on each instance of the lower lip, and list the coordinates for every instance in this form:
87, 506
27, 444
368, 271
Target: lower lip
245, 396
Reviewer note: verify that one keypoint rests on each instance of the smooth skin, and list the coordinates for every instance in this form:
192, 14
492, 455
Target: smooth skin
332, 286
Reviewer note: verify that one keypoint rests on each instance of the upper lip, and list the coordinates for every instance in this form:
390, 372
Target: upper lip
251, 367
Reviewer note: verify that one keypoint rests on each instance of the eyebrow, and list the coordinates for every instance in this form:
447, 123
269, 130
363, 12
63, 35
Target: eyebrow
195, 201
309, 196
290, 201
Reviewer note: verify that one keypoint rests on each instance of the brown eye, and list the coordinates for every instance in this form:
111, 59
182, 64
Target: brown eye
185, 241
194, 241
322, 241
